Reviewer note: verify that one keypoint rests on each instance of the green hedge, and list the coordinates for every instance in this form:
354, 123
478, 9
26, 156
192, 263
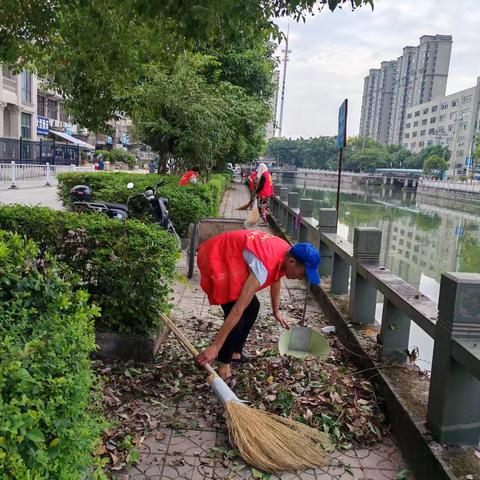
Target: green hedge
118, 155
47, 429
127, 268
186, 204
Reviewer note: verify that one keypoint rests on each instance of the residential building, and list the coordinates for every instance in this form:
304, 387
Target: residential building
451, 120
418, 76
271, 126
18, 98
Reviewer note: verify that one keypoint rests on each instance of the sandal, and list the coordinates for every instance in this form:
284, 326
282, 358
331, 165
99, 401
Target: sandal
240, 361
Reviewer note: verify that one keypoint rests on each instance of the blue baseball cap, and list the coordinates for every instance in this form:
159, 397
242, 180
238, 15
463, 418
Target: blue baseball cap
307, 254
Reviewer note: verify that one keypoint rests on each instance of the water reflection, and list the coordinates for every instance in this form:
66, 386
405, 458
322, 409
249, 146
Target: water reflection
419, 241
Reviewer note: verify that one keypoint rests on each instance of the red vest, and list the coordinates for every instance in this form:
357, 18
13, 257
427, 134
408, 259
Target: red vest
267, 190
186, 178
251, 181
223, 270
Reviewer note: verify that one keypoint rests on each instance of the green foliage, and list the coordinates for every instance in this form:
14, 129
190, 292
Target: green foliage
185, 204
304, 153
47, 429
437, 150
126, 268
118, 155
435, 165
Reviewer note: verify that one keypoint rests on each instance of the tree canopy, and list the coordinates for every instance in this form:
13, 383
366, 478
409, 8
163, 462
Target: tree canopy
110, 56
435, 165
361, 154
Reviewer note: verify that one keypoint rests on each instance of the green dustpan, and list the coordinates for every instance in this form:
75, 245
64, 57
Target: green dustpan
302, 341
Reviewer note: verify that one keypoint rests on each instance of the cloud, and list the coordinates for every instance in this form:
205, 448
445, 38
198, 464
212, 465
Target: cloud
332, 53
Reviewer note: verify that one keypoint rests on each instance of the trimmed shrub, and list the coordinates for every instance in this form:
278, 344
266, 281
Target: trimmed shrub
118, 156
185, 204
47, 429
126, 268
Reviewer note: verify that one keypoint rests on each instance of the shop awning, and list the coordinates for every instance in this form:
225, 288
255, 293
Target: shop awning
71, 139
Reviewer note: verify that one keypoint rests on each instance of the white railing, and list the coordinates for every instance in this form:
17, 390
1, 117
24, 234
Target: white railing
13, 173
472, 186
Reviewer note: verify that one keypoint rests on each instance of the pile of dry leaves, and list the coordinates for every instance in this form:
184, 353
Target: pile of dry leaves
172, 392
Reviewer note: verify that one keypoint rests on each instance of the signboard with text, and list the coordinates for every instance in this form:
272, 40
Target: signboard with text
342, 125
43, 124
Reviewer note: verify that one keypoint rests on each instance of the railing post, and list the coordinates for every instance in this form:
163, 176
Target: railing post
293, 198
327, 223
14, 175
395, 333
283, 214
367, 243
306, 210
453, 414
47, 174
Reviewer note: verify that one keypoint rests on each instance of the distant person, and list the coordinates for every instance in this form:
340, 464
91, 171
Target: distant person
251, 185
190, 177
264, 190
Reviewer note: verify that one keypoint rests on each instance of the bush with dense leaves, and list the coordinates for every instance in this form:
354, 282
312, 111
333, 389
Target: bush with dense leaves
118, 156
185, 204
47, 429
126, 268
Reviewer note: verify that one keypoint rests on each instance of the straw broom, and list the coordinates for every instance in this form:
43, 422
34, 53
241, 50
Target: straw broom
264, 440
246, 206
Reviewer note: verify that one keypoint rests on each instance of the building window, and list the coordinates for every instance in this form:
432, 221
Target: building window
451, 128
26, 125
407, 135
407, 125
409, 115
444, 106
453, 116
41, 105
421, 144
442, 118
434, 108
52, 109
414, 134
465, 112
454, 102
431, 131
405, 145
425, 111
26, 87
429, 142
424, 121
433, 119
422, 133
413, 144
417, 113
467, 99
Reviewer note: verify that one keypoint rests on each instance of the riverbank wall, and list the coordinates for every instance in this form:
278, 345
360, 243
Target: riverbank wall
453, 195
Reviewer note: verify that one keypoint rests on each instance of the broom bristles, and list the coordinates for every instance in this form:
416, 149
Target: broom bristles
246, 206
273, 443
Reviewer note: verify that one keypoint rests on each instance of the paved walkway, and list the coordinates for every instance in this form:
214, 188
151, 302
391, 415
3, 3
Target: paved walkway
203, 451
31, 194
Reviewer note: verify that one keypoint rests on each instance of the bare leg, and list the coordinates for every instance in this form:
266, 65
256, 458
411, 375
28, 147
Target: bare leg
224, 370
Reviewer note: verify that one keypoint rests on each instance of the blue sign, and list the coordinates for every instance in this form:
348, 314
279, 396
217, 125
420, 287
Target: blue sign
124, 139
109, 140
68, 129
43, 125
342, 125
459, 231
469, 162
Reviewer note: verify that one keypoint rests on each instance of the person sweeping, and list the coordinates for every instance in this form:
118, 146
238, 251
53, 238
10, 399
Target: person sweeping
263, 190
190, 177
233, 267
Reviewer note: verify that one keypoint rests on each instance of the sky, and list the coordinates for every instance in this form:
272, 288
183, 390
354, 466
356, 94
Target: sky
332, 53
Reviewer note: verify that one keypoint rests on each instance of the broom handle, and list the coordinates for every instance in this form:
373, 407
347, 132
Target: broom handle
185, 342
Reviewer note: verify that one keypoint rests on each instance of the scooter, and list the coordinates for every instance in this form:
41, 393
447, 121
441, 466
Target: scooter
81, 196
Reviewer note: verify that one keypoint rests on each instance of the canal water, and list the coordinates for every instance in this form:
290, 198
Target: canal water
419, 241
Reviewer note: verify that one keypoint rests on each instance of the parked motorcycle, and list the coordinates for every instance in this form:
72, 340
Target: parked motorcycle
81, 196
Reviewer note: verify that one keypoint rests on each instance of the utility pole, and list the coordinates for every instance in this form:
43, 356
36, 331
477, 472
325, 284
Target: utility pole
285, 60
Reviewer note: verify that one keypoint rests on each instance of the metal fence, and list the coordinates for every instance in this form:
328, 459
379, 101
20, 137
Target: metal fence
453, 411
45, 151
13, 173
